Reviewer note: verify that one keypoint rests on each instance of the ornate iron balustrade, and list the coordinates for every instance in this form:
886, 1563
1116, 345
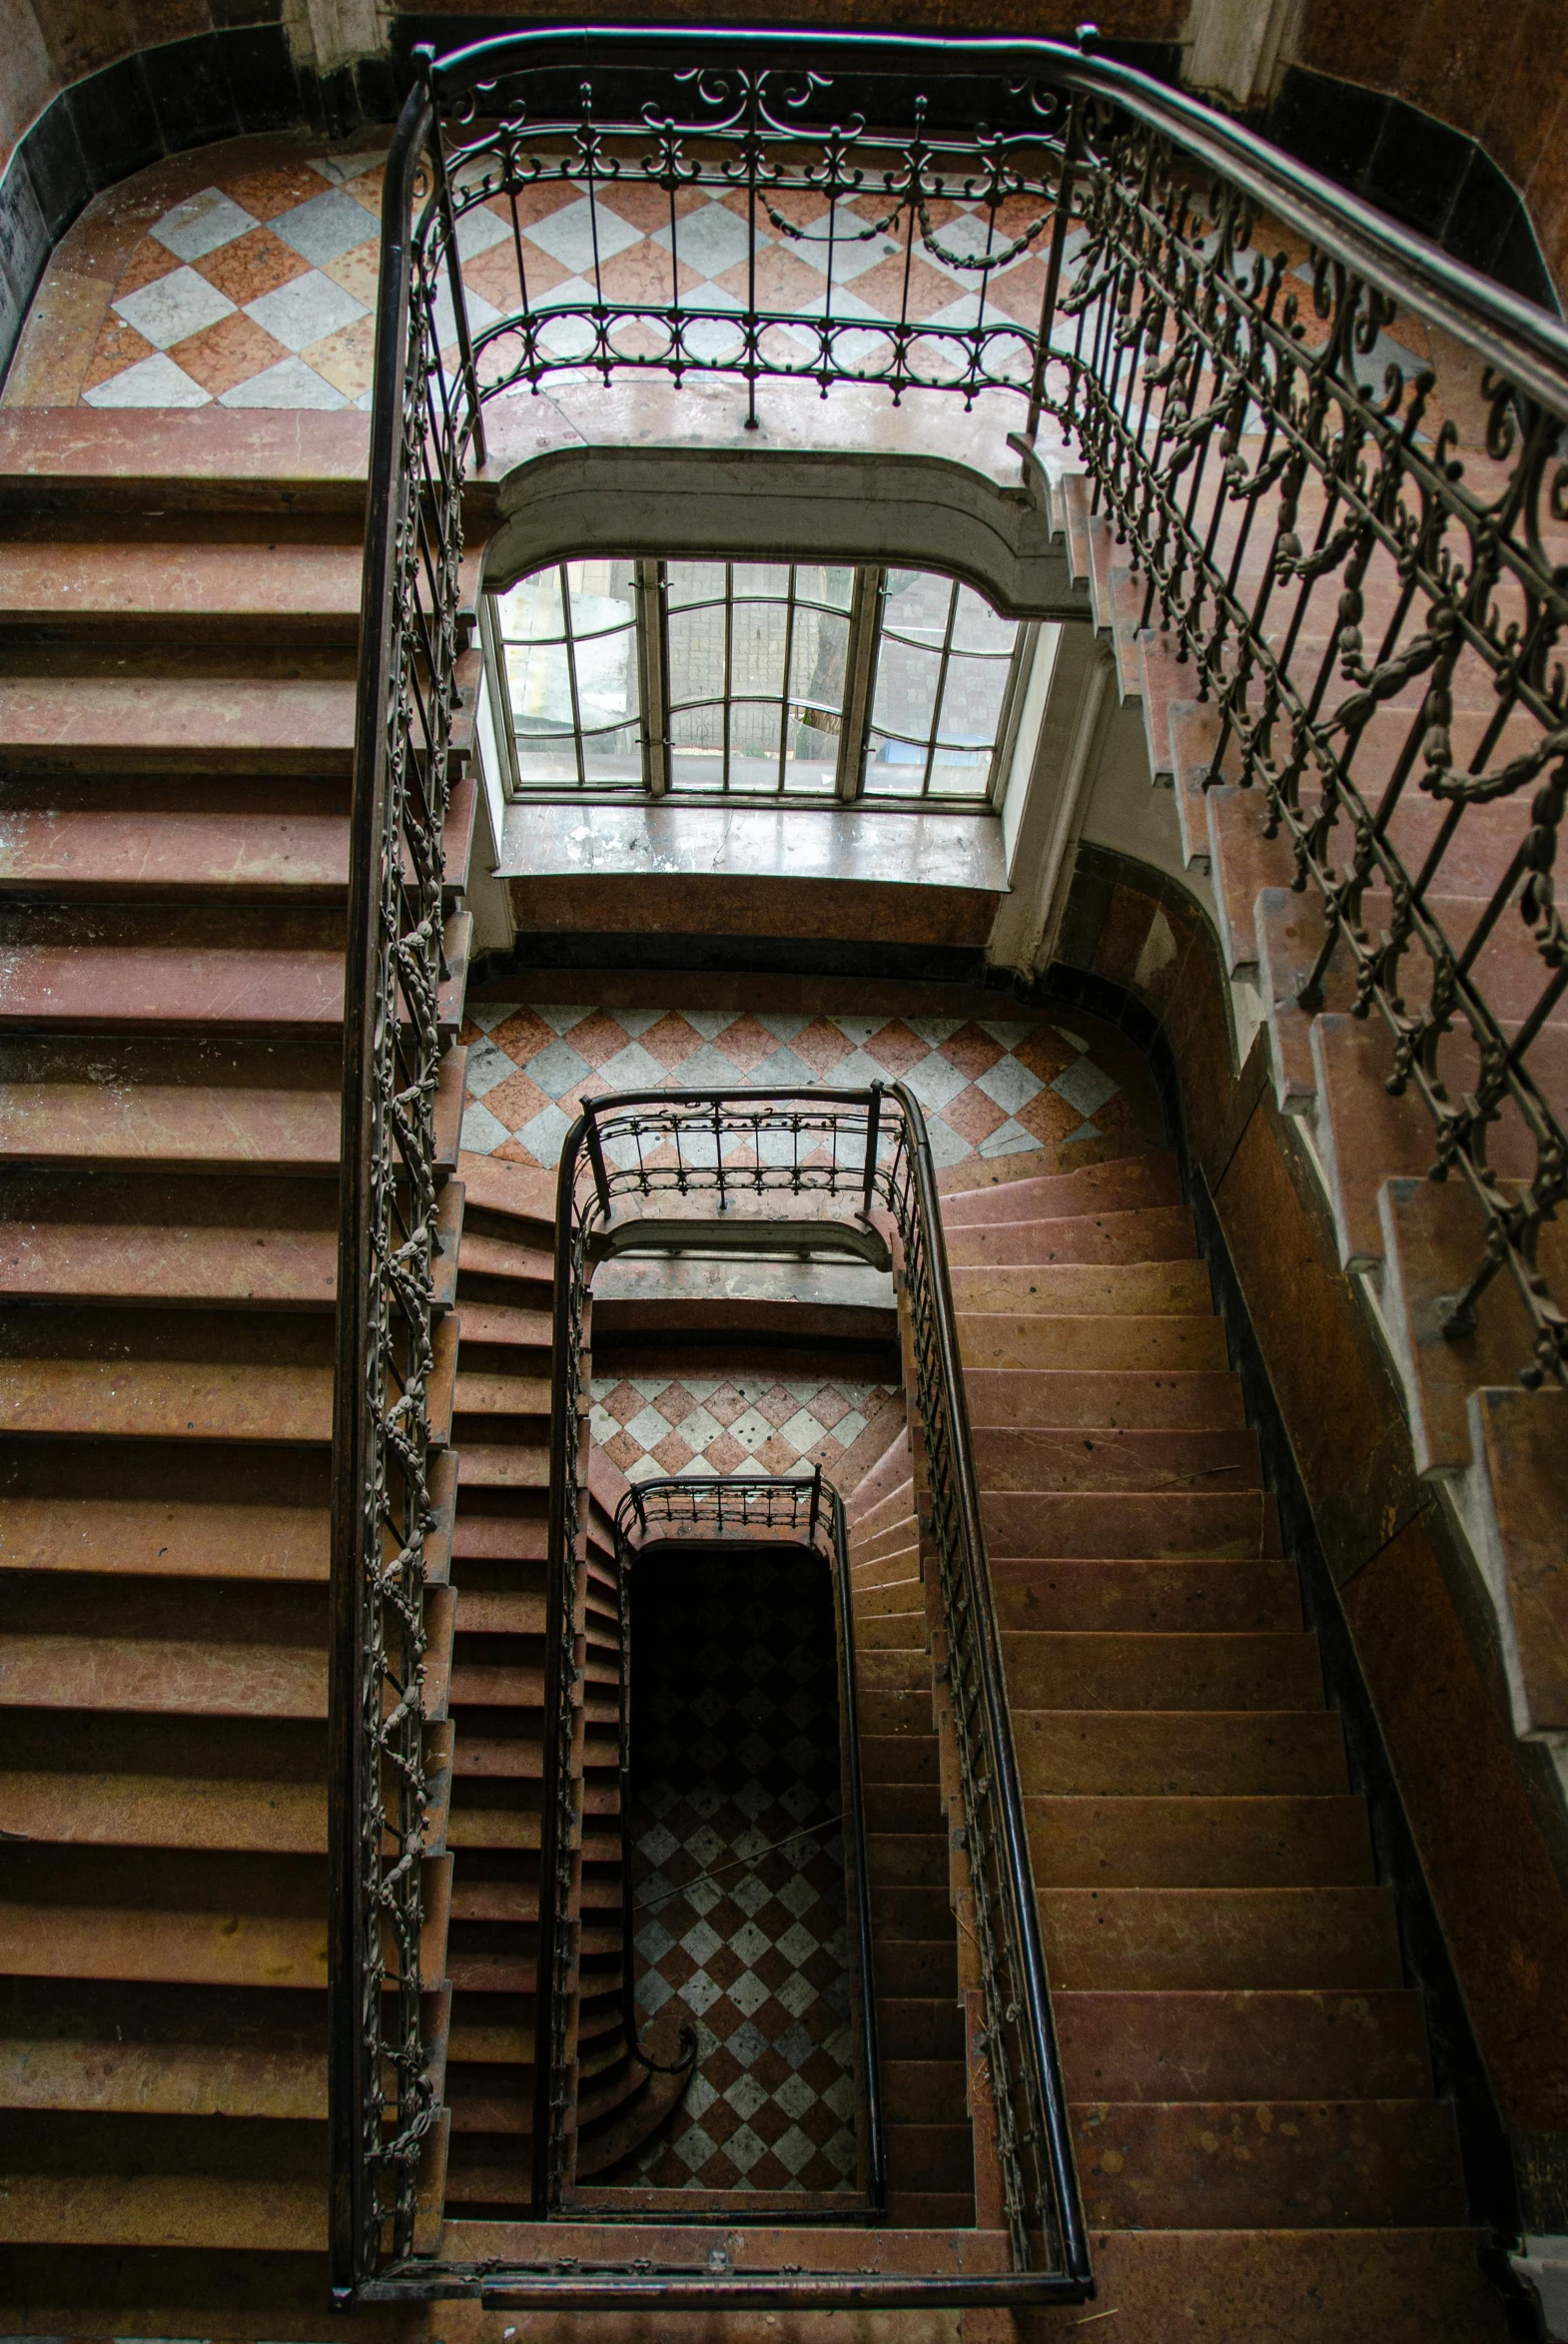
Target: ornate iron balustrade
1120, 245
382, 2105
704, 1154
804, 1511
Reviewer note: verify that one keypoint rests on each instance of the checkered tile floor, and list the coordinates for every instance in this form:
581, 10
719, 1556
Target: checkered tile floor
647, 1424
738, 1870
257, 290
990, 1087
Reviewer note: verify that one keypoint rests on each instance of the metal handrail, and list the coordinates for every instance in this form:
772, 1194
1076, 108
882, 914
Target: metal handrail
735, 1507
1162, 340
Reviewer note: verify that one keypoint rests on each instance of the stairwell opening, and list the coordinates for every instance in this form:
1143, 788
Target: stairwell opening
736, 1830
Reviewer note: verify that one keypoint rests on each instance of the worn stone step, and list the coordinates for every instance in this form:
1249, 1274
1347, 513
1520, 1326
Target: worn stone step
1168, 1751
163, 2078
1096, 1339
1086, 1523
1157, 1233
1402, 2285
111, 1261
1064, 1288
168, 1811
184, 589
1167, 1672
203, 2210
911, 2027
1113, 1457
195, 1126
924, 2090
1093, 1398
930, 2156
1187, 1842
1122, 1184
1241, 2164
276, 725
1243, 2047
1108, 1595
1219, 1939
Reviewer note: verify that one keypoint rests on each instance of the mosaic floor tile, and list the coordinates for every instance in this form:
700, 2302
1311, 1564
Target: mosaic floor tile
990, 1087
738, 1870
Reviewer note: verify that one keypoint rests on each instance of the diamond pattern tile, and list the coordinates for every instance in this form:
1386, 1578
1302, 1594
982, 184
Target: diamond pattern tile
645, 1425
738, 1872
996, 1087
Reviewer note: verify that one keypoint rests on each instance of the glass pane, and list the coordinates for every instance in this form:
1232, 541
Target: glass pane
546, 763
977, 626
697, 748
758, 655
540, 685
916, 604
893, 769
815, 583
613, 760
606, 678
696, 654
693, 581
603, 594
960, 773
972, 702
531, 612
905, 694
761, 577
754, 745
817, 659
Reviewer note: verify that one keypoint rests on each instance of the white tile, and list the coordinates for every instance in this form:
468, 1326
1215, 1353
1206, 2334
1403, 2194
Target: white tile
697, 1429
1009, 1139
568, 235
801, 1430
481, 313
478, 230
1008, 1031
645, 1468
632, 1068
648, 1427
290, 383
323, 229
947, 1146
934, 1081
1076, 1040
340, 167
1085, 1086
557, 1068
559, 1015
486, 1066
849, 1428
785, 1072
306, 309
709, 239
1010, 1084
936, 1030
783, 1025
710, 1024
202, 223
153, 382
542, 1133
177, 304
482, 1131
488, 1015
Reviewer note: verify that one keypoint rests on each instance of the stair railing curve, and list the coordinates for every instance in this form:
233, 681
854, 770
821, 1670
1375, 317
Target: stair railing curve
1206, 310
806, 1510
718, 1150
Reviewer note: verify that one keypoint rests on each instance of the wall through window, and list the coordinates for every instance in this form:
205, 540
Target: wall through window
756, 682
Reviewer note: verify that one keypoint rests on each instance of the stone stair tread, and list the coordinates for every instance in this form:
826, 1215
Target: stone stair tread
1126, 1288
1154, 1753
1122, 1184
1317, 2165
1098, 1593
1108, 1339
1148, 1233
1114, 1458
1202, 1940
1198, 1840
162, 2077
305, 590
159, 1811
281, 1268
1228, 2046
1165, 1671
279, 725
1056, 1398
1090, 1523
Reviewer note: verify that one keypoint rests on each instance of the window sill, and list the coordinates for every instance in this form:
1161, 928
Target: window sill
795, 843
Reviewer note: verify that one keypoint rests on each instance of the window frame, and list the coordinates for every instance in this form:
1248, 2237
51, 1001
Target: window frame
866, 628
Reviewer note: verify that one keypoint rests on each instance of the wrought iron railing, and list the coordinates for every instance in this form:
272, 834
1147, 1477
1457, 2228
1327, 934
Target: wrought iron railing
1111, 246
804, 1511
382, 2102
707, 1154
